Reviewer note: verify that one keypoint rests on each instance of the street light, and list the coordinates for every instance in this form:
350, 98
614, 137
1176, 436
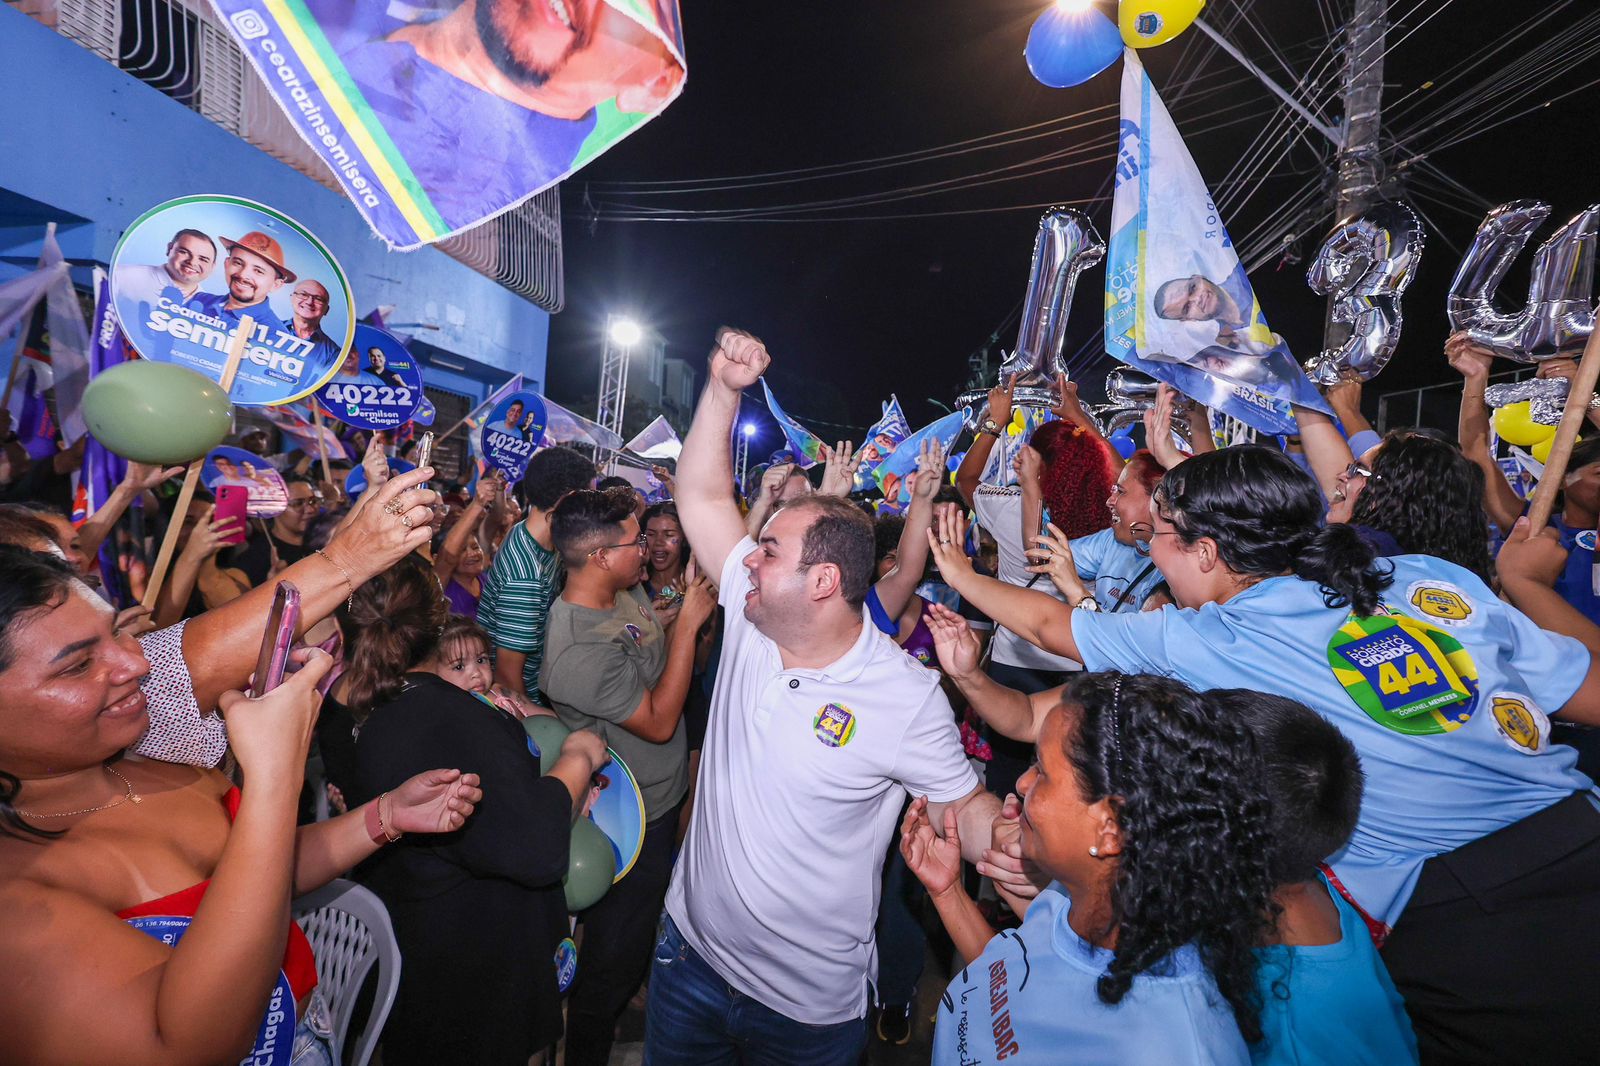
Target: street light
749, 429
622, 333
746, 431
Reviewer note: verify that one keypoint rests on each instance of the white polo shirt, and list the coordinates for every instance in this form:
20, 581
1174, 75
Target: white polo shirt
802, 777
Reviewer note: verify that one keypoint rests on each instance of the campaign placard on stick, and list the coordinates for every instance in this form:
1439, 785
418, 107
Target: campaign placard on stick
266, 495
378, 386
186, 272
514, 429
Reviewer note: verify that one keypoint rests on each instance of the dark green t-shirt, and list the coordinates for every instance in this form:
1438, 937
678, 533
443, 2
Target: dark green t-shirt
597, 666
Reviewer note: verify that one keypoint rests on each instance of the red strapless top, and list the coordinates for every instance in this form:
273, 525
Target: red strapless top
299, 964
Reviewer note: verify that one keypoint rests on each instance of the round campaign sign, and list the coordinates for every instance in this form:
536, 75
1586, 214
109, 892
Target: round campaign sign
512, 432
619, 812
186, 271
356, 482
378, 386
265, 494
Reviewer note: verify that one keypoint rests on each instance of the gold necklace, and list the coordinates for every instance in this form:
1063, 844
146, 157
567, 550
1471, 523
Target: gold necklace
129, 796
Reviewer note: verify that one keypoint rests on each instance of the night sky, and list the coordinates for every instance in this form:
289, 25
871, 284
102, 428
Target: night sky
855, 305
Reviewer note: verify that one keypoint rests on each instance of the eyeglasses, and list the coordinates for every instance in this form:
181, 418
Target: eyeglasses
1360, 469
636, 542
309, 503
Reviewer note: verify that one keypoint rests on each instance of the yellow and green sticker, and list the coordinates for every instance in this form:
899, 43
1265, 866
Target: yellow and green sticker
1407, 675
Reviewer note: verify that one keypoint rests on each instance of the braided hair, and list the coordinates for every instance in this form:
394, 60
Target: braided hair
1185, 784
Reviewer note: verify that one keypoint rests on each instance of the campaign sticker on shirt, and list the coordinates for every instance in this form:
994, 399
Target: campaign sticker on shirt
834, 725
1406, 675
1520, 722
634, 631
513, 431
378, 386
566, 964
1441, 601
1586, 539
187, 271
355, 483
265, 494
274, 1044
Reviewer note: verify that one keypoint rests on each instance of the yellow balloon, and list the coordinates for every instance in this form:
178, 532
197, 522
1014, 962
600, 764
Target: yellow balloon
1541, 451
1147, 23
1515, 425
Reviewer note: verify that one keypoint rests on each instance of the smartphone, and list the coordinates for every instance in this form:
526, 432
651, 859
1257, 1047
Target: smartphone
425, 450
233, 502
275, 643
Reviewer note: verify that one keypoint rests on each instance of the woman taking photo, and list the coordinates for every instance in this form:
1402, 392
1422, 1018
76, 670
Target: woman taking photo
487, 900
149, 900
1477, 853
1145, 810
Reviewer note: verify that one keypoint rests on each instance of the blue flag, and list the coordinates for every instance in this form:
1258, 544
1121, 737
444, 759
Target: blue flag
806, 445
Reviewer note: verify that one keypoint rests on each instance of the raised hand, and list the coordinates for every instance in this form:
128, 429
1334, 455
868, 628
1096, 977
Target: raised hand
839, 469
1067, 405
936, 861
386, 525
489, 489
738, 359
209, 537
1471, 360
435, 801
930, 470
1000, 401
1158, 428
1537, 557
953, 640
947, 540
375, 464
1028, 465
773, 479
1053, 558
142, 476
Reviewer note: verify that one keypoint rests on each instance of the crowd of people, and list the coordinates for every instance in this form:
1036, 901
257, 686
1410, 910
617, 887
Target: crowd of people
1258, 753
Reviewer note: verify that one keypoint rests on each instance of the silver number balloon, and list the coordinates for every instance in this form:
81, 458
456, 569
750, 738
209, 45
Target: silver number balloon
1129, 388
1558, 316
1365, 264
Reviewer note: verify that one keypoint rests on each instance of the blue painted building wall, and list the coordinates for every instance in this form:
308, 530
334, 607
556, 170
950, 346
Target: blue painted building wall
89, 147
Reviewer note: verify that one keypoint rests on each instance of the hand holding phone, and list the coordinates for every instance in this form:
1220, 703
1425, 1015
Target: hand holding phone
233, 502
277, 640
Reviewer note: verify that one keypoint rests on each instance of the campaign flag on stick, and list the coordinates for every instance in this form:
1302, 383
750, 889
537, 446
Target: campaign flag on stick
436, 116
893, 473
1178, 303
295, 422
658, 440
805, 445
565, 427
882, 439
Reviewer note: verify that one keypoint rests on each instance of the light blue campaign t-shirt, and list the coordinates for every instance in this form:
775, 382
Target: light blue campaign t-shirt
1030, 998
1115, 567
1448, 700
1331, 1004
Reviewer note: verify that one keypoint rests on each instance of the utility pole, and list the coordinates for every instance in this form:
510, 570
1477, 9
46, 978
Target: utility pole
1359, 161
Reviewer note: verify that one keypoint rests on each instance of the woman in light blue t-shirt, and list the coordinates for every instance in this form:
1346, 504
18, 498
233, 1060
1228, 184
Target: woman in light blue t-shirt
1146, 810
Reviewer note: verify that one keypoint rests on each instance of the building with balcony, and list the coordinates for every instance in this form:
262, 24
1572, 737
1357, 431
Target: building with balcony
118, 105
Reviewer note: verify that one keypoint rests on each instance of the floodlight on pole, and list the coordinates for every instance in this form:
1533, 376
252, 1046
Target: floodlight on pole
749, 429
622, 333
625, 332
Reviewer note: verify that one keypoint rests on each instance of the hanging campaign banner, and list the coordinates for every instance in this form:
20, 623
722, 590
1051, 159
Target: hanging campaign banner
186, 271
894, 473
1178, 304
882, 439
378, 386
355, 482
435, 115
514, 429
805, 446
265, 494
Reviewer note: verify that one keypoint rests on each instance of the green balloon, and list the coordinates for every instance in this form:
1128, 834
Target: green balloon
156, 412
547, 734
591, 868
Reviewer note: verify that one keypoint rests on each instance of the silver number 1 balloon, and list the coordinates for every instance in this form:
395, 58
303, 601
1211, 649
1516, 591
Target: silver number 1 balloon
1558, 316
1067, 244
1365, 264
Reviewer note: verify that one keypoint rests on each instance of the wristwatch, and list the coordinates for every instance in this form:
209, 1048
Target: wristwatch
1088, 603
989, 426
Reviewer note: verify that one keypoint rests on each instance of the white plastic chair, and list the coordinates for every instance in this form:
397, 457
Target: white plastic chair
349, 931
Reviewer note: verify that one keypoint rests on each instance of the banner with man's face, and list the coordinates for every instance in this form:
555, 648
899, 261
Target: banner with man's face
187, 271
438, 114
1178, 303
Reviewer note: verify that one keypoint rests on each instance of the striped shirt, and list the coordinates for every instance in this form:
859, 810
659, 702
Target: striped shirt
516, 600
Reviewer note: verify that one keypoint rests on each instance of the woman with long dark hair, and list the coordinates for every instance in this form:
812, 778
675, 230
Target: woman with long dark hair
1447, 694
1146, 810
148, 902
488, 899
1415, 494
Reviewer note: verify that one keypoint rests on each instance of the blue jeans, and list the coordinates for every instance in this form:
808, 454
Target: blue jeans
694, 1018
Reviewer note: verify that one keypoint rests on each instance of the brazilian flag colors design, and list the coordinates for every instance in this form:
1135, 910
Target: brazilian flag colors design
1407, 675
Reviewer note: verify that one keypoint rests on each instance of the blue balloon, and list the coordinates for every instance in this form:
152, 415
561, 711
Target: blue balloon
954, 462
1069, 48
1124, 445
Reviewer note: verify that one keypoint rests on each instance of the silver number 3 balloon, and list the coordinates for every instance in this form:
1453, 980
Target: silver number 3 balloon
1365, 264
1559, 314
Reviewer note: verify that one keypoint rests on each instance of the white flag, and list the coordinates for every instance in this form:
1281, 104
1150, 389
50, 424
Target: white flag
658, 440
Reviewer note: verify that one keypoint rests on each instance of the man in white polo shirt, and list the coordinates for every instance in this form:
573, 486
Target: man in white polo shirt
819, 725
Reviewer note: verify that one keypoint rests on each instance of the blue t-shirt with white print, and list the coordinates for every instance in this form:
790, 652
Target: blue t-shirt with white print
1446, 698
1115, 569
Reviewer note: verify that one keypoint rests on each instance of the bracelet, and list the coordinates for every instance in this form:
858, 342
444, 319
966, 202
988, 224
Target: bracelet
350, 601
375, 827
